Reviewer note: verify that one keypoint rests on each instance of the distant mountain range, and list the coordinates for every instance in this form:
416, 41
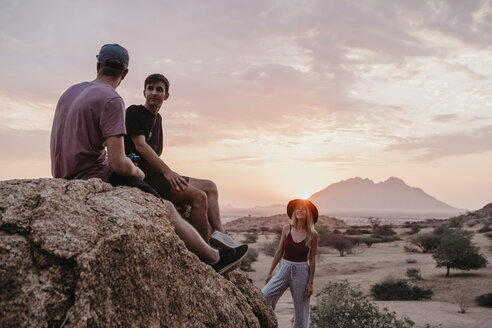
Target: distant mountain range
359, 195
364, 198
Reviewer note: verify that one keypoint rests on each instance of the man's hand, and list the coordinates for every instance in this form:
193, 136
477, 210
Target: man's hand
118, 162
140, 173
178, 183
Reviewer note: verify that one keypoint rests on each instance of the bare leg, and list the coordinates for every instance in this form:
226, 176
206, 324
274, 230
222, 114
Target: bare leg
213, 212
198, 200
191, 237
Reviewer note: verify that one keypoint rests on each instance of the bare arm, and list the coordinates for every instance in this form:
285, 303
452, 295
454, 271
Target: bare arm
278, 253
312, 264
177, 181
118, 162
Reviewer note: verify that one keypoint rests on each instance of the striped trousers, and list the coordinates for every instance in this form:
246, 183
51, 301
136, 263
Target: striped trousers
294, 275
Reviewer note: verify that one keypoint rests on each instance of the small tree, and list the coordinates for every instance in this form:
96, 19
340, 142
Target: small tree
375, 223
342, 243
457, 252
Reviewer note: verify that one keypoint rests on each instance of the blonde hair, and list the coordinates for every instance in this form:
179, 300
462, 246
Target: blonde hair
310, 231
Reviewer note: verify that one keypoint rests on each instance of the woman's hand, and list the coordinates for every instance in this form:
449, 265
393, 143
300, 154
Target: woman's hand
268, 278
309, 289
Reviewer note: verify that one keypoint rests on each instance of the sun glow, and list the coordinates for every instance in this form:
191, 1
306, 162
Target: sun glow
305, 195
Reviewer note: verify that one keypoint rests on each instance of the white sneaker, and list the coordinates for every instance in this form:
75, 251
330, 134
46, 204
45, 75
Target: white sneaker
222, 240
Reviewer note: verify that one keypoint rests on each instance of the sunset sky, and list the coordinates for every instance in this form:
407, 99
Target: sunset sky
271, 99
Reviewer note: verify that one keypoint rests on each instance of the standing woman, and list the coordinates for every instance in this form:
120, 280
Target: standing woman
298, 244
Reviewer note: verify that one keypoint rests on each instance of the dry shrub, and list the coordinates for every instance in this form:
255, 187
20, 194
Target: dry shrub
410, 249
463, 297
250, 238
270, 247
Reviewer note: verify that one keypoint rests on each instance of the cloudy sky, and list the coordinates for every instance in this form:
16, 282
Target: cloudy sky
272, 99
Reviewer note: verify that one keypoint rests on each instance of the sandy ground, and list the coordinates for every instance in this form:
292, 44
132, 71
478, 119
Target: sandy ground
371, 265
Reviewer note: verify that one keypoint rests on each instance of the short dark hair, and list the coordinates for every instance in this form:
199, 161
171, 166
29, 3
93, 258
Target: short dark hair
156, 78
112, 67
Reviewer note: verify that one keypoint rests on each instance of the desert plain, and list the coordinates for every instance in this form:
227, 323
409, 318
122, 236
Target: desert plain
366, 266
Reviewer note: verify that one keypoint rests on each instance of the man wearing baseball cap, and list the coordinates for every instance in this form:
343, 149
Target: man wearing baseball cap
87, 142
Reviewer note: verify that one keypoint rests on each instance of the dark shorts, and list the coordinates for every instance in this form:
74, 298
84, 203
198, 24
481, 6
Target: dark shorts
118, 180
160, 184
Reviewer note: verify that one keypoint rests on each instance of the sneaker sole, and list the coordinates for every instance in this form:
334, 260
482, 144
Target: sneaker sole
220, 244
233, 265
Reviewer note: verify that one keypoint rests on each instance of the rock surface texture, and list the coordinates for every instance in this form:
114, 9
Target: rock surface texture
85, 254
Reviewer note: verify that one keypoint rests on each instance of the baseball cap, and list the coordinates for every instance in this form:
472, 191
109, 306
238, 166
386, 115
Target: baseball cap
113, 51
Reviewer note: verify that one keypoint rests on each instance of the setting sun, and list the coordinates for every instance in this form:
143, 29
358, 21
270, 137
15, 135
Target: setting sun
305, 195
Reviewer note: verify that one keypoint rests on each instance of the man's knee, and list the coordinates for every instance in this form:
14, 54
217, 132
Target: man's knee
173, 213
199, 198
210, 187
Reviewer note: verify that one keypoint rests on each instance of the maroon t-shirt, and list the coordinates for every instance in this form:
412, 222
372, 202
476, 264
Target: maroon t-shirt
86, 114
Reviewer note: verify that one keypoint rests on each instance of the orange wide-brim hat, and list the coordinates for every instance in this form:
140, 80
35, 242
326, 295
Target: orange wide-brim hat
293, 203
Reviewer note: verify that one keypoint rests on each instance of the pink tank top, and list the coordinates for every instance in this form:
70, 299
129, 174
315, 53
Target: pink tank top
295, 252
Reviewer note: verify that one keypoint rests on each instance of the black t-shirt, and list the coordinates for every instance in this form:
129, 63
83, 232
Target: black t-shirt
139, 121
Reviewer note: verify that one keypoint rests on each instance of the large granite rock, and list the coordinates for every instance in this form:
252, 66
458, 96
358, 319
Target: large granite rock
85, 254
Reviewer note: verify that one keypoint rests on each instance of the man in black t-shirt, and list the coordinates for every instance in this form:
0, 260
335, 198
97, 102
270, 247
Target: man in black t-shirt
145, 138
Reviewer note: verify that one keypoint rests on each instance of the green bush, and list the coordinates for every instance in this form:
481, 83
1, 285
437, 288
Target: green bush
439, 230
251, 256
456, 222
369, 241
352, 231
399, 290
414, 274
357, 231
427, 242
414, 229
384, 230
485, 228
385, 239
484, 300
339, 305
